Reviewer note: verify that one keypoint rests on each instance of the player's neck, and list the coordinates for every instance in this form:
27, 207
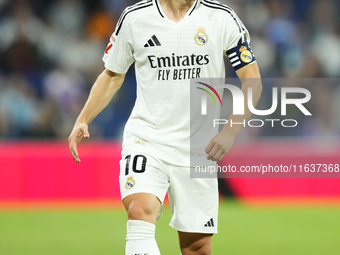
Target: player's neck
176, 10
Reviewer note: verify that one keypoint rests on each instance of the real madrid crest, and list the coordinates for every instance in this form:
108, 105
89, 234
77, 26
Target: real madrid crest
246, 55
130, 183
201, 38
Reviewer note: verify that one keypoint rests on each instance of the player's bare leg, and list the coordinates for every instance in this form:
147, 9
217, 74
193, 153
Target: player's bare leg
142, 206
195, 243
142, 210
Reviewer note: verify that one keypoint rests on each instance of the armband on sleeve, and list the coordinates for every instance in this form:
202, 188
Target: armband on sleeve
241, 55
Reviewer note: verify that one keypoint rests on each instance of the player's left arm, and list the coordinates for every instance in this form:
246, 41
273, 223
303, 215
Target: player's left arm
221, 144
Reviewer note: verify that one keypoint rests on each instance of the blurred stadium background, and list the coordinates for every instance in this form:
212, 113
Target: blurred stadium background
50, 55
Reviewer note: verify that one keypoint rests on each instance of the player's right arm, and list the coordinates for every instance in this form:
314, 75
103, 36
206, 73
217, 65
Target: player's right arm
105, 87
118, 57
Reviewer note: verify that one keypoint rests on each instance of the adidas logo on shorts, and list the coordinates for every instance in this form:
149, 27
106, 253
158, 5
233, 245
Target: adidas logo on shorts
153, 42
210, 223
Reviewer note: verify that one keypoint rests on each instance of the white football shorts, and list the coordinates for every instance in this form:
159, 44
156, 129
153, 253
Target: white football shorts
193, 201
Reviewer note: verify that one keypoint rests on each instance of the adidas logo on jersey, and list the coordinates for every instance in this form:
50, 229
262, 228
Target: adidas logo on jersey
210, 223
153, 42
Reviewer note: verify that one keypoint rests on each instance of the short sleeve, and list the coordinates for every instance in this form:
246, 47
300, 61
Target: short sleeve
118, 55
237, 41
236, 33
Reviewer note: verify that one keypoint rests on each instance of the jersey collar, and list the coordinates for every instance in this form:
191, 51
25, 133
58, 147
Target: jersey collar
162, 14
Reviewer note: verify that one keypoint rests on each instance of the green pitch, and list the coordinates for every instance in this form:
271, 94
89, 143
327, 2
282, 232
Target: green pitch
279, 231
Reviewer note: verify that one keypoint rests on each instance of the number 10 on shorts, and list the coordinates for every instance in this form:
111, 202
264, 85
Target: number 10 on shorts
138, 164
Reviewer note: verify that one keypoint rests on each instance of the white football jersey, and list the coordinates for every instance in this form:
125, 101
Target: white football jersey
166, 56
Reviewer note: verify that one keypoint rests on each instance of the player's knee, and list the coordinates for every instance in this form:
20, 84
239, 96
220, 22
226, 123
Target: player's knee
200, 248
195, 244
138, 211
205, 249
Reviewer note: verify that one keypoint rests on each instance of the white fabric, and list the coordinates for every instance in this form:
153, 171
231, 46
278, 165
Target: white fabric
193, 201
140, 238
161, 116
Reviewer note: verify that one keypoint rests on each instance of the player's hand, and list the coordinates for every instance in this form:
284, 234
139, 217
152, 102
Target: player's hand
79, 131
219, 146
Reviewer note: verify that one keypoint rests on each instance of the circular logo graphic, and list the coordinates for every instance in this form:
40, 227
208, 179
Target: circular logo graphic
130, 183
201, 38
246, 56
